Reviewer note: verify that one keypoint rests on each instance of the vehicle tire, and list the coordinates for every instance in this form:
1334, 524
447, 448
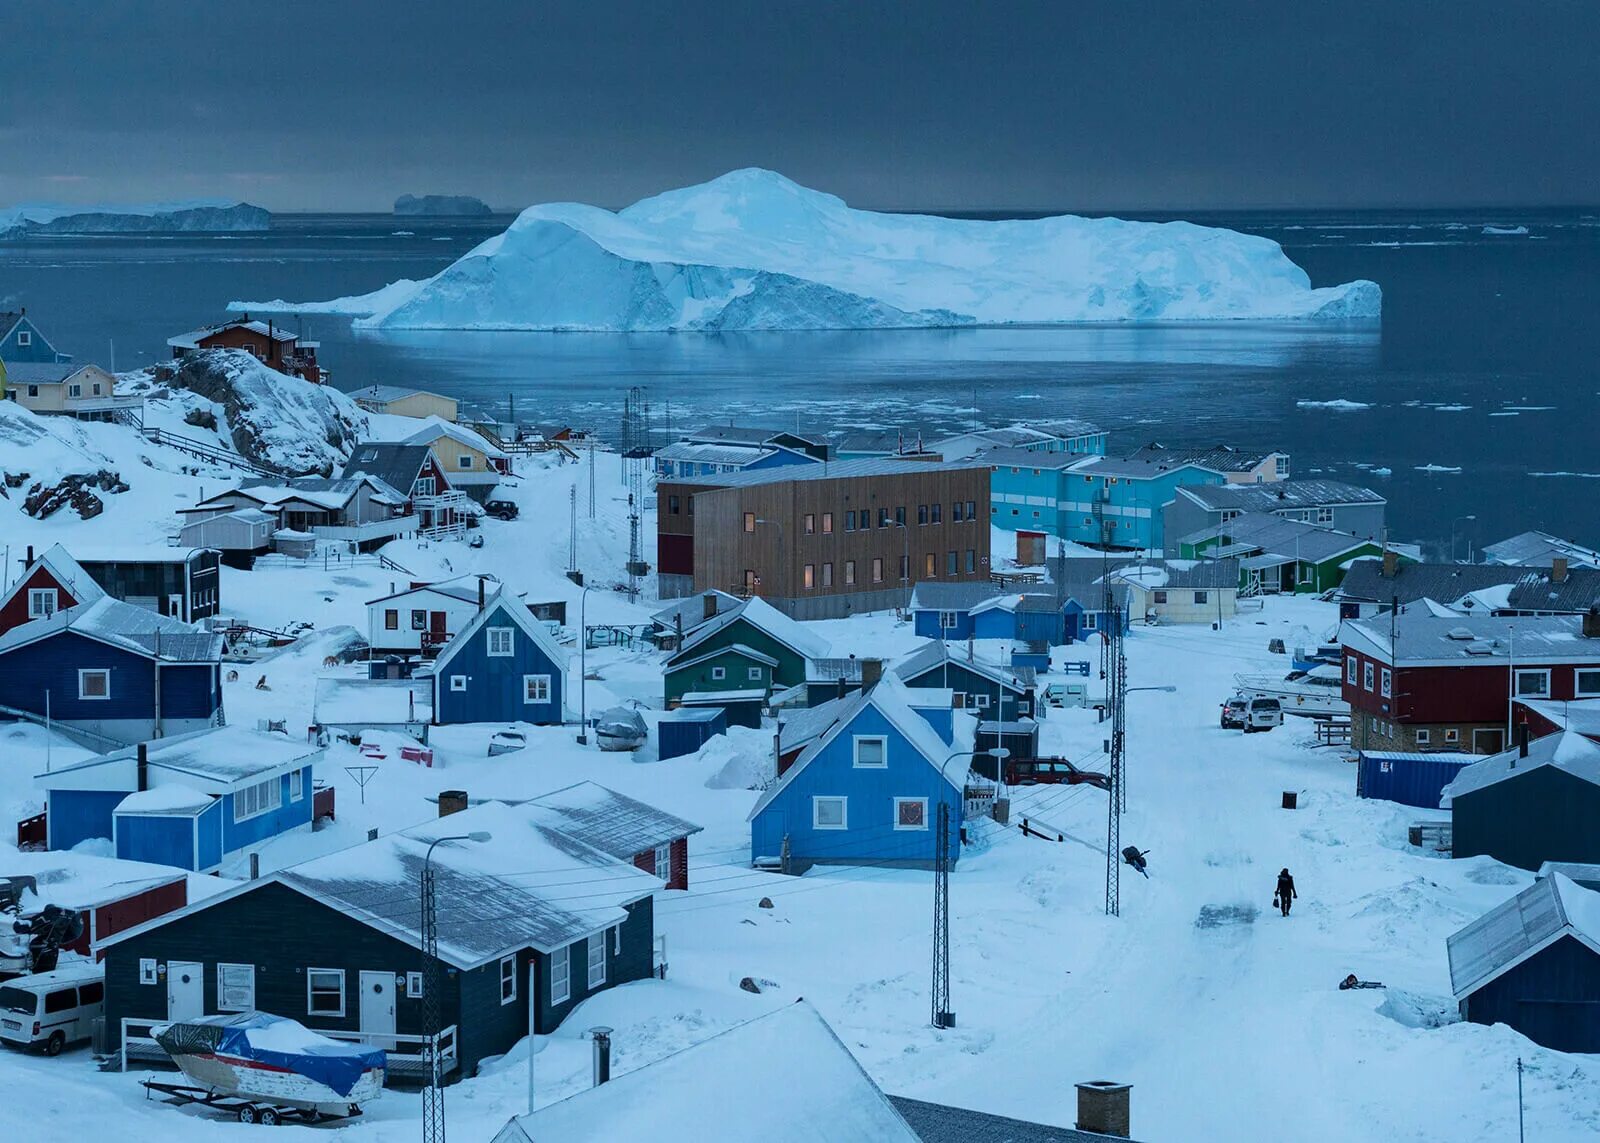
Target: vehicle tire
269, 1117
247, 1113
57, 1041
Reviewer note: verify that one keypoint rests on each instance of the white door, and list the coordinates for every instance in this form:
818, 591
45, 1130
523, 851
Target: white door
186, 990
377, 1007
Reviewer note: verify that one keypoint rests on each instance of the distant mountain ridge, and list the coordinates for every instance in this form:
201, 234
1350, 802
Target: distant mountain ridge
197, 216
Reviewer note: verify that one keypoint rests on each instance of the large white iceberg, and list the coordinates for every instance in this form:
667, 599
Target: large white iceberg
753, 250
192, 216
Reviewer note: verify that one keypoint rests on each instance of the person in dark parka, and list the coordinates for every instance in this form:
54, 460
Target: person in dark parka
1285, 893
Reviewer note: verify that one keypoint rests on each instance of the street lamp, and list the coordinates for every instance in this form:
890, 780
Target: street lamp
1453, 523
942, 1016
583, 666
433, 1094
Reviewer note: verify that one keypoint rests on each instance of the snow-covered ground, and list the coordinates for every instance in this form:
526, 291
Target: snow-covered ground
1224, 1016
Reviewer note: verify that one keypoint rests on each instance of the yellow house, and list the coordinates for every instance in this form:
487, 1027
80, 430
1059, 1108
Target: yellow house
402, 402
470, 462
87, 392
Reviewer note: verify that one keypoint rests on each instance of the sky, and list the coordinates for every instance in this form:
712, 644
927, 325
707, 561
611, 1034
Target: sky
936, 104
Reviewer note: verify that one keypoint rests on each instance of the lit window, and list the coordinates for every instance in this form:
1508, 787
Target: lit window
827, 523
535, 688
930, 566
749, 521
872, 752
911, 813
1452, 736
830, 813
809, 524
501, 641
808, 577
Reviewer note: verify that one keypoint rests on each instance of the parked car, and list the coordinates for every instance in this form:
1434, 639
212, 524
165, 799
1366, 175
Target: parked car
1049, 772
1265, 713
500, 509
52, 1009
1235, 713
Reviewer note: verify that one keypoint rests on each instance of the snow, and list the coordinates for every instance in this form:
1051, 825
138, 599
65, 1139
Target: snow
170, 798
753, 250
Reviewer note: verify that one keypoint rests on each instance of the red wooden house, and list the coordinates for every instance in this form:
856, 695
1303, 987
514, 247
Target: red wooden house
653, 840
51, 583
271, 344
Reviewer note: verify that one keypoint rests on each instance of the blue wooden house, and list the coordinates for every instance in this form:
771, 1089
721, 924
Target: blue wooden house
502, 666
20, 340
944, 610
190, 801
868, 788
109, 673
992, 691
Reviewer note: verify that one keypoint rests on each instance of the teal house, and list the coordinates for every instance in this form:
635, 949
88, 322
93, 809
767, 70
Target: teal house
1099, 501
737, 659
20, 340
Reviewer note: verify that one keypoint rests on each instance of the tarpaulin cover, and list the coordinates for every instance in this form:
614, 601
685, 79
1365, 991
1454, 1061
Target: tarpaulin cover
275, 1042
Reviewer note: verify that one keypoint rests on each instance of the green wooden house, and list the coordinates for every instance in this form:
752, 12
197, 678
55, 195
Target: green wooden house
738, 659
1280, 556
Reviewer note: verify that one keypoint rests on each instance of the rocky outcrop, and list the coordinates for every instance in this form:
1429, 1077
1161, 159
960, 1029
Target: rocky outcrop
77, 491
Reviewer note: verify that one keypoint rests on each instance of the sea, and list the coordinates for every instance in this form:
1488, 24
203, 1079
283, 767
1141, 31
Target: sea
1474, 406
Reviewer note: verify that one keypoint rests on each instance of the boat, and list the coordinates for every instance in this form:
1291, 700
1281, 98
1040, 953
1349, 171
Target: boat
620, 728
260, 1066
1318, 655
507, 742
1317, 693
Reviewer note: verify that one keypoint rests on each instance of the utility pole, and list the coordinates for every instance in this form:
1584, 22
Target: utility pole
1116, 802
941, 921
572, 533
432, 985
1521, 1134
591, 478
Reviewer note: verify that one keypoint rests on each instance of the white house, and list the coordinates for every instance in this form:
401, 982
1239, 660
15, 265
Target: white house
424, 618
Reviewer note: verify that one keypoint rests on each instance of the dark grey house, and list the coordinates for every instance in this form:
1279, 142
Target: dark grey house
181, 583
1531, 804
1330, 503
1533, 963
336, 944
1374, 586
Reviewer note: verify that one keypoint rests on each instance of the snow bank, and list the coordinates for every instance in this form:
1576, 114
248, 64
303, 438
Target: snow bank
193, 216
752, 250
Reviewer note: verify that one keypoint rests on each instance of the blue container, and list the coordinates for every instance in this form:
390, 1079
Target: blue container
687, 729
1410, 779
1038, 660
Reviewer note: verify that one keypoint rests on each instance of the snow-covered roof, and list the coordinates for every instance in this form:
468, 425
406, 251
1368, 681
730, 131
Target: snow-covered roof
1566, 750
168, 798
1217, 457
942, 1123
1294, 539
691, 452
1133, 468
1416, 638
372, 702
124, 625
691, 611
1156, 575
764, 617
194, 337
1580, 715
936, 653
324, 491
1445, 582
1580, 871
1029, 458
733, 648
64, 570
798, 726
752, 434
1014, 601
213, 761
1537, 549
1278, 495
1543, 913
84, 880
384, 394
722, 698
781, 1078
934, 595
519, 614
463, 588
831, 470
46, 372
613, 823
435, 427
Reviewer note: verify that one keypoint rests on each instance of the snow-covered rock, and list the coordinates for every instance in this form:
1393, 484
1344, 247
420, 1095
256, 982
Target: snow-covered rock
445, 205
753, 250
200, 215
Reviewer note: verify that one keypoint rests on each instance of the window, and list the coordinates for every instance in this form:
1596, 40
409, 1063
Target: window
464, 461
597, 960
664, 862
877, 569
391, 619
75, 390
1159, 596
297, 785
1366, 676
1089, 619
937, 510
809, 524
830, 813
871, 751
41, 602
827, 575
236, 987
1280, 466
753, 674
33, 390
561, 975
900, 516
24, 337
922, 514
147, 971
749, 521
62, 1000
253, 801
1424, 737
1586, 683
1201, 596
1385, 682
1351, 666
947, 620
808, 577
508, 979
1452, 736
930, 569
535, 688
423, 486
952, 563
955, 512
325, 991
1228, 514
458, 682
674, 505
982, 701
501, 641
1324, 515
419, 620
972, 560
94, 684
911, 813
850, 521
1533, 684
827, 523
414, 985
972, 511
849, 572
719, 673
883, 517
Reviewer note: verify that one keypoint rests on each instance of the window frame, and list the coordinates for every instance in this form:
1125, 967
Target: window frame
808, 577
297, 785
311, 992
752, 674
596, 980
1369, 675
877, 569
1543, 673
844, 811
561, 975
458, 684
1201, 598
37, 594
532, 685
718, 674
1424, 736
921, 802
858, 740
269, 801
948, 621
1385, 682
221, 1006
86, 672
492, 634
508, 979
419, 618
808, 524
827, 523
749, 523
1158, 596
1578, 688
664, 868
391, 619
1352, 670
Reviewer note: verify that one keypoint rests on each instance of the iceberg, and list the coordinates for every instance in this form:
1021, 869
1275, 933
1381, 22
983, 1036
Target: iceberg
193, 216
441, 205
752, 250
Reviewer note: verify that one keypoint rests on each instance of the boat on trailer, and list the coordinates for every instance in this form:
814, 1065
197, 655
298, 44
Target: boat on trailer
1317, 693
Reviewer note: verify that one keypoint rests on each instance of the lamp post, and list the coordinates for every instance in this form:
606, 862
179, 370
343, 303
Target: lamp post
583, 667
433, 1094
942, 1016
778, 524
1453, 524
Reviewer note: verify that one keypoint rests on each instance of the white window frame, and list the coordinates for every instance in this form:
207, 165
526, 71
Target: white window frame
297, 785
561, 975
718, 674
1582, 690
1424, 737
898, 802
752, 674
311, 1008
85, 672
664, 861
947, 620
1386, 682
856, 742
508, 979
1352, 670
1368, 676
844, 811
1452, 735
24, 338
982, 701
414, 985
458, 682
464, 461
496, 635
222, 1005
597, 967
1325, 515
535, 688
268, 794
38, 607
1522, 672
148, 973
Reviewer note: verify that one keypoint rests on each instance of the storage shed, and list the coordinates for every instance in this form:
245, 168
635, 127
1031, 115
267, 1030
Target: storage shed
1531, 804
687, 729
1021, 738
1533, 963
1412, 779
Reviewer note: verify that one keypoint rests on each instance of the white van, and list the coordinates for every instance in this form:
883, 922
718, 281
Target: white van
52, 1009
1264, 714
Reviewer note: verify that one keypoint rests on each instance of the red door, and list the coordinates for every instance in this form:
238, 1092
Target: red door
436, 625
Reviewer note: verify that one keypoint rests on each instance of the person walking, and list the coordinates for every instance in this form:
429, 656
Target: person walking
1285, 892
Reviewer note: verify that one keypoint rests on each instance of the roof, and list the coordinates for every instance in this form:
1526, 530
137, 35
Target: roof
1448, 756
1278, 495
212, 761
384, 394
1565, 750
1537, 591
372, 702
613, 823
1217, 457
1029, 458
936, 652
1444, 582
832, 470
835, 668
168, 798
194, 337
522, 617
798, 726
753, 434
125, 625
887, 441
397, 465
1028, 601
65, 570
1160, 575
1079, 577
697, 453
764, 617
434, 427
1293, 539
1579, 871
1415, 638
732, 648
940, 1123
1580, 715
44, 372
463, 588
529, 885
1537, 549
326, 491
933, 595
692, 610
796, 1083
722, 698
983, 441
1130, 468
1522, 927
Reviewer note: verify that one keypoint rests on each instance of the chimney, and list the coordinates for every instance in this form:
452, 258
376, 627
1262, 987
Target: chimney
871, 673
1391, 564
602, 1054
480, 593
255, 867
1558, 569
708, 605
142, 766
1591, 623
452, 802
1522, 740
1103, 1107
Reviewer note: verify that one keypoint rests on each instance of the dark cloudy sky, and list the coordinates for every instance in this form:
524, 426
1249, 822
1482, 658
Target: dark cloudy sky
1091, 104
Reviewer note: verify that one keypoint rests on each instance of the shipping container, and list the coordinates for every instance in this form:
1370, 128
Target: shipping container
687, 729
1408, 778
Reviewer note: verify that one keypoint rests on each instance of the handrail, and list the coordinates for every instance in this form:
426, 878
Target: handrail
204, 451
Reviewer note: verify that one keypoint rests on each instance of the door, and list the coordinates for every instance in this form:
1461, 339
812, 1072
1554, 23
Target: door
377, 1008
175, 607
436, 626
186, 990
1488, 741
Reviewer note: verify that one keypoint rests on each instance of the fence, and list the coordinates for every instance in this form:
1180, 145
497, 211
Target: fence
408, 1054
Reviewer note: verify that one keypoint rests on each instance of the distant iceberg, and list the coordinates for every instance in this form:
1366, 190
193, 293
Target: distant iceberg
441, 205
194, 216
752, 250
1506, 231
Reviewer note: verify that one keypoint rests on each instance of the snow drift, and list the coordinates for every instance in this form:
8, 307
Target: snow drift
200, 215
753, 250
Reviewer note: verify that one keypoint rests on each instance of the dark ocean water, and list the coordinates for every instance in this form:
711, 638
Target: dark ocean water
1486, 360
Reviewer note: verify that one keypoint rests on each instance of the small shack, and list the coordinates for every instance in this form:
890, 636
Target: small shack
1021, 738
1412, 779
1531, 804
739, 708
687, 729
240, 535
112, 895
1533, 963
